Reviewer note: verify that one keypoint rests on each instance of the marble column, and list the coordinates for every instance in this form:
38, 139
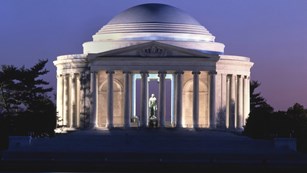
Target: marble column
212, 99
59, 99
161, 105
179, 99
93, 117
246, 98
110, 99
82, 97
144, 99
223, 107
195, 98
232, 102
228, 77
240, 102
78, 88
66, 100
127, 103
72, 100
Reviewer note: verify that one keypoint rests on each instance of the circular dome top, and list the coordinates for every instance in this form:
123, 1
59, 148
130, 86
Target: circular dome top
153, 13
153, 22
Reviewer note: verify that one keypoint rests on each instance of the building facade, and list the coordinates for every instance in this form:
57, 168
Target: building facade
153, 48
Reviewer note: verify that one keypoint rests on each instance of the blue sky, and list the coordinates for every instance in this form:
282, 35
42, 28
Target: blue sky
273, 33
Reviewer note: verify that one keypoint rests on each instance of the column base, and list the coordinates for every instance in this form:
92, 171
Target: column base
110, 126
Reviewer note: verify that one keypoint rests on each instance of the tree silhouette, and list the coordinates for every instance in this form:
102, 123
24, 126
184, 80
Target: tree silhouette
256, 100
9, 89
259, 120
24, 99
298, 122
264, 123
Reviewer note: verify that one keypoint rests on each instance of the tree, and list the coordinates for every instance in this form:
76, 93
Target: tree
9, 89
24, 98
281, 125
264, 123
258, 122
256, 100
32, 86
298, 122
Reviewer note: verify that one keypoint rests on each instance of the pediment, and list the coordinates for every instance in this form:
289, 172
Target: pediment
152, 49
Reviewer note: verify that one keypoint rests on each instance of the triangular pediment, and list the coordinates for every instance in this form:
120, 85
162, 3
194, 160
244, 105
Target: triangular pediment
152, 49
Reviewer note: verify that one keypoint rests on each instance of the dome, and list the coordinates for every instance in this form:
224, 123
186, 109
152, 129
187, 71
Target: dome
153, 22
153, 13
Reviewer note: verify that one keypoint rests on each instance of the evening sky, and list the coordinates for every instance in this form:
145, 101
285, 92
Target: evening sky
273, 33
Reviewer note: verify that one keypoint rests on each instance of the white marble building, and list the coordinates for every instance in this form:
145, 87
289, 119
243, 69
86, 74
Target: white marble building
99, 88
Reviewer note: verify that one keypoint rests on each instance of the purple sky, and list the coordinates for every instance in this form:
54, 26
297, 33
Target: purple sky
272, 32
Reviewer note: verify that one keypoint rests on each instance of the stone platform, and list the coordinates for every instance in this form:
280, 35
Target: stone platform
152, 150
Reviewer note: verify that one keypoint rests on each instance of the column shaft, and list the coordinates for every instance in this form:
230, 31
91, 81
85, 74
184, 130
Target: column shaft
224, 101
246, 98
82, 100
127, 102
72, 93
195, 98
179, 99
93, 118
78, 82
232, 103
161, 106
59, 98
240, 103
228, 101
66, 101
110, 99
212, 100
144, 100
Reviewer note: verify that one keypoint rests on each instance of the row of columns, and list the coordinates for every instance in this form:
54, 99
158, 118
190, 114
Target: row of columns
68, 105
68, 93
238, 100
144, 99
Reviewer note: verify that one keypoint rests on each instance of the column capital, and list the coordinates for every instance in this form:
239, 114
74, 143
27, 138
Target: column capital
144, 73
196, 72
126, 72
179, 72
161, 73
213, 72
110, 71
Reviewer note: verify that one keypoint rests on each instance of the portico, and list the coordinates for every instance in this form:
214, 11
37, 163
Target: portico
106, 87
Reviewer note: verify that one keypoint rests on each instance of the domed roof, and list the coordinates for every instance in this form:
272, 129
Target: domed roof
153, 13
153, 22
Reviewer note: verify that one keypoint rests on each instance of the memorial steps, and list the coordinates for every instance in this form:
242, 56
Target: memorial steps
157, 149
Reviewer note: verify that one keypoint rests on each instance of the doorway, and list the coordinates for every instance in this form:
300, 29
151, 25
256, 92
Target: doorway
153, 88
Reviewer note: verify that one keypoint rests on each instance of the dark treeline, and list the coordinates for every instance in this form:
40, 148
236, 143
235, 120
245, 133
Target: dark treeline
265, 123
25, 107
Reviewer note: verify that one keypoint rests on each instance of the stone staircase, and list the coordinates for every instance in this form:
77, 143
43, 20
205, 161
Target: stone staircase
151, 146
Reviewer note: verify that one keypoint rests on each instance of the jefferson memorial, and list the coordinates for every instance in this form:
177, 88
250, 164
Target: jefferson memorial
153, 49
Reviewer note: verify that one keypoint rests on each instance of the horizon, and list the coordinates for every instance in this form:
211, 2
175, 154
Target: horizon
271, 33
